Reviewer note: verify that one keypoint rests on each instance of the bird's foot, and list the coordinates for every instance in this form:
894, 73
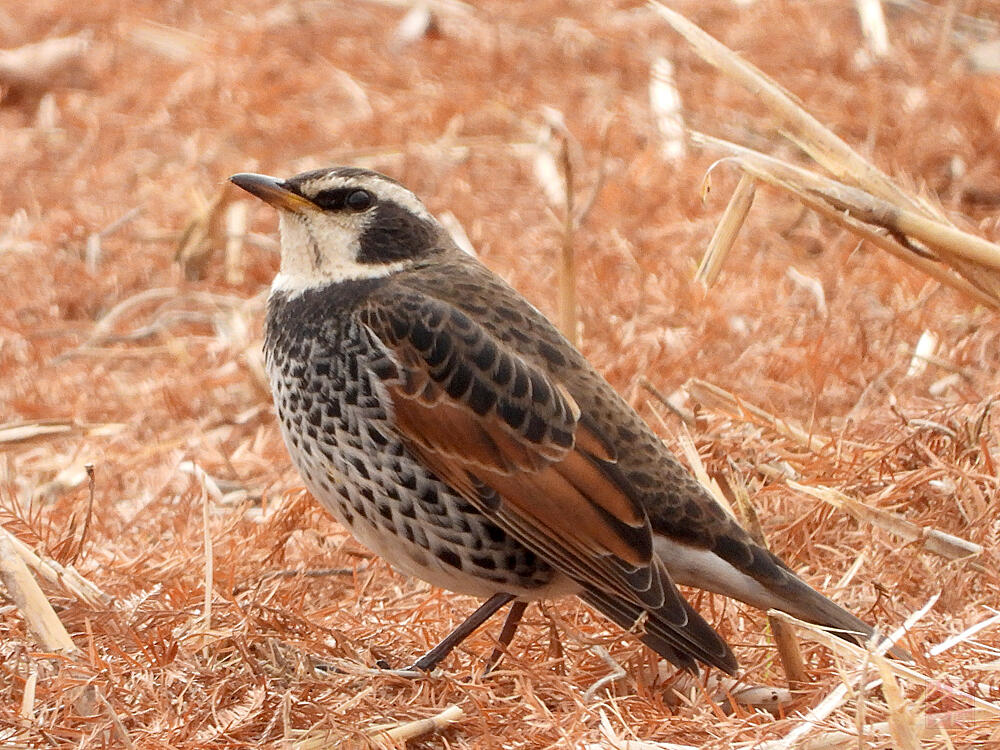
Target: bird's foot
412, 672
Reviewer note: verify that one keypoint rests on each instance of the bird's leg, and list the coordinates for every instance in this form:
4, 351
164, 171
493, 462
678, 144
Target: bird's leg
428, 661
510, 624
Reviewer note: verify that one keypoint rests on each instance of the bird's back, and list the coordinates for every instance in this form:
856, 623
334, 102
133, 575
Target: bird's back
697, 540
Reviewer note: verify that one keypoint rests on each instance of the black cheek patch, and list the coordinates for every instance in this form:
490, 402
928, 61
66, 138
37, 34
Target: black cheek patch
394, 233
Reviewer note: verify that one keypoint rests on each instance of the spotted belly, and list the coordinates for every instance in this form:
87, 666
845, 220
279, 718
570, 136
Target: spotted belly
340, 436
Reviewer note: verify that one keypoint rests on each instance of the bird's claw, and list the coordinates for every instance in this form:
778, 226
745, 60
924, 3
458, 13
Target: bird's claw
413, 672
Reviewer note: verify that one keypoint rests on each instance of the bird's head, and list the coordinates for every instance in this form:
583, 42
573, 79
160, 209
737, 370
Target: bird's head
343, 224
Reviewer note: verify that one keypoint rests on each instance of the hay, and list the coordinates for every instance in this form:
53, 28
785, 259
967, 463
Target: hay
212, 604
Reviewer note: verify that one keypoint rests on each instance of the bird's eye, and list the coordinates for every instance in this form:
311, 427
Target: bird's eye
344, 199
359, 200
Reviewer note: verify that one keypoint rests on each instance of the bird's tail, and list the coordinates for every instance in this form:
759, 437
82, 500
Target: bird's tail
743, 570
683, 644
801, 600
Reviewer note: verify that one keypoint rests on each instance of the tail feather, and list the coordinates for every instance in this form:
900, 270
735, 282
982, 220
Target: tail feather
753, 575
683, 646
800, 600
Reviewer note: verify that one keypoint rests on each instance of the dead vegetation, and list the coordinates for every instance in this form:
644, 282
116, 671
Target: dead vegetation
167, 583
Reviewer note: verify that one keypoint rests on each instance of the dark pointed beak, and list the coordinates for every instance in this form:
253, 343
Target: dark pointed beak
271, 190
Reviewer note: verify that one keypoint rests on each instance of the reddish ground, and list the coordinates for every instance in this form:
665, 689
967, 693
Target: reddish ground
145, 344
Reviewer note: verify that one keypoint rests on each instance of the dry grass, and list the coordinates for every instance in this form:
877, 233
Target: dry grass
130, 332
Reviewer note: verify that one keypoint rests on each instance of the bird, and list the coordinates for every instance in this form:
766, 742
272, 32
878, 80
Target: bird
448, 424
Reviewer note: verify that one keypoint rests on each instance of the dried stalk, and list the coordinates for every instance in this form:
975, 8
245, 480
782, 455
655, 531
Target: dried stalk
413, 729
810, 134
939, 542
844, 647
784, 636
567, 264
726, 231
236, 221
37, 64
978, 260
42, 620
712, 396
686, 415
23, 432
62, 575
902, 719
876, 198
926, 726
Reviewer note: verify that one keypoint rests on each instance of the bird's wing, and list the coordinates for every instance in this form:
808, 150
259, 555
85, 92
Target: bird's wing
514, 443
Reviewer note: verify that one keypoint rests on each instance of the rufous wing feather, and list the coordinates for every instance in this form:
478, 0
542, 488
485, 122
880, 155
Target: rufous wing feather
513, 442
479, 414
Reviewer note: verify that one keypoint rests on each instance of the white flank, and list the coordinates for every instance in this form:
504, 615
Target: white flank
704, 570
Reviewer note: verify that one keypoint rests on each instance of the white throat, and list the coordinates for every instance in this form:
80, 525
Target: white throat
318, 250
